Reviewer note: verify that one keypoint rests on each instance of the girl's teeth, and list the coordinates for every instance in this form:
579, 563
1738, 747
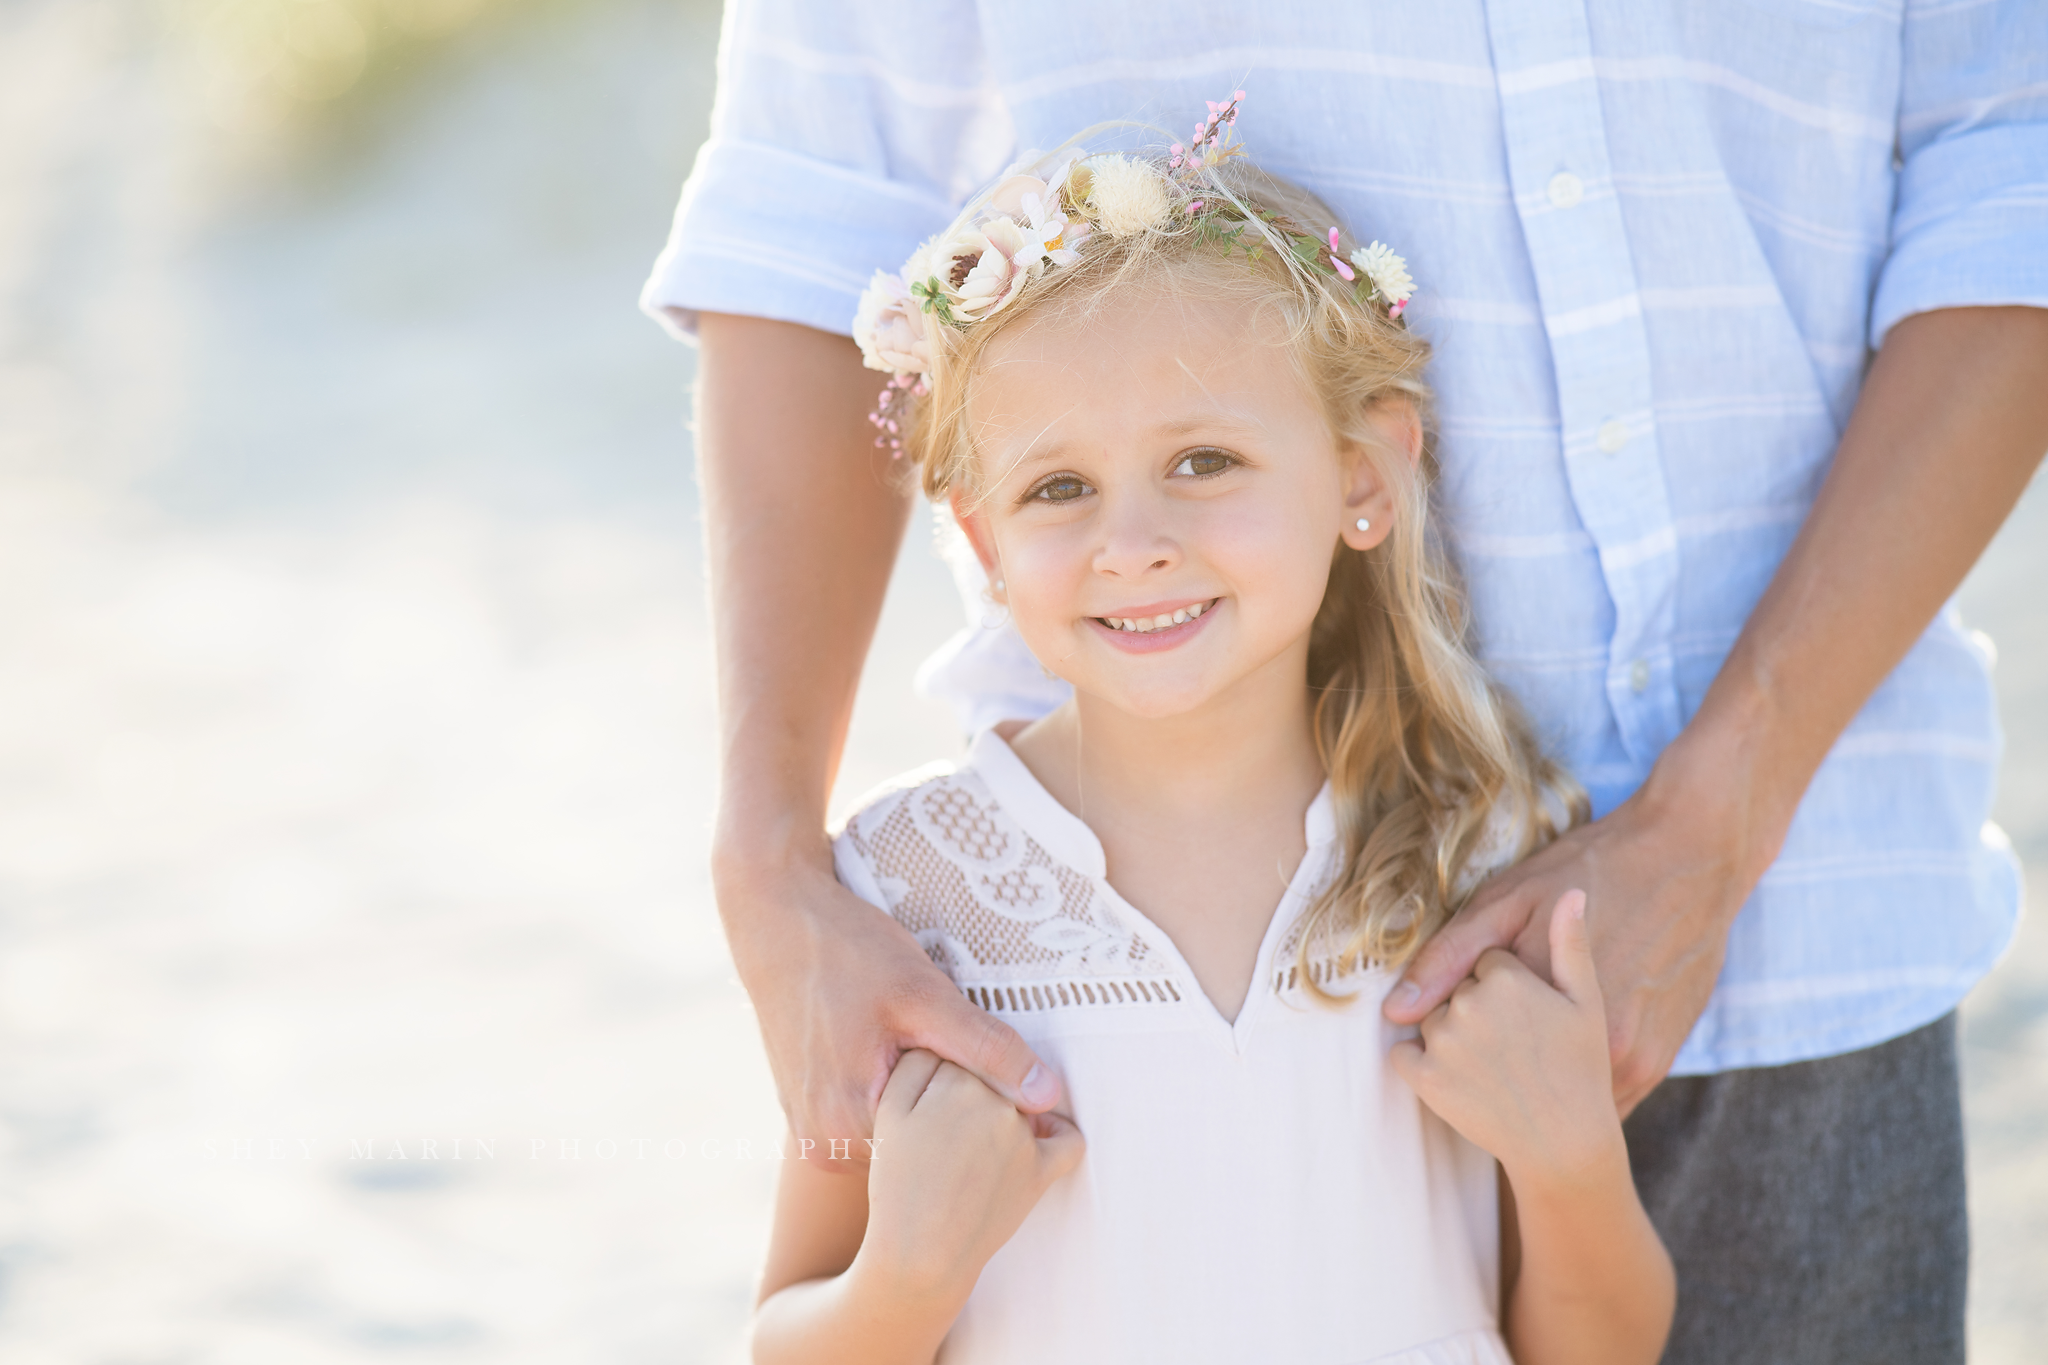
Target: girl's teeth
1147, 624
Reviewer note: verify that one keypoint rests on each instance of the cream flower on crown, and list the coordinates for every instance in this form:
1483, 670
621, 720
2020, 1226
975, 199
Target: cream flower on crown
988, 266
1128, 196
1388, 272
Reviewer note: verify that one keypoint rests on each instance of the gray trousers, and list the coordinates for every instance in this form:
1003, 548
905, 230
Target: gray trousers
1815, 1211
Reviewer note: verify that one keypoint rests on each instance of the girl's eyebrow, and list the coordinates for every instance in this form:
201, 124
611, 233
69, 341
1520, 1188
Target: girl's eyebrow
1038, 453
1052, 451
1207, 421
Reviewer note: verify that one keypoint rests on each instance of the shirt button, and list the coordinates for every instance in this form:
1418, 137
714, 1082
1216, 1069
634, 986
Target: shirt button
1639, 675
1613, 436
1566, 190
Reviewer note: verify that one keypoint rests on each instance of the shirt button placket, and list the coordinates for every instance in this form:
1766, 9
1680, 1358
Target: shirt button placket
1558, 161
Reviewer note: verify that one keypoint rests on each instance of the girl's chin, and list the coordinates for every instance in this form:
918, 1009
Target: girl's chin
1162, 700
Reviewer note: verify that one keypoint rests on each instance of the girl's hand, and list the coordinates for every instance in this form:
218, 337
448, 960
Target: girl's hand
1520, 1067
956, 1169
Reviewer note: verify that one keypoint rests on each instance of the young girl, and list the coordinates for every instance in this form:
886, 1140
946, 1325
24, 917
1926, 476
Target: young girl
1182, 426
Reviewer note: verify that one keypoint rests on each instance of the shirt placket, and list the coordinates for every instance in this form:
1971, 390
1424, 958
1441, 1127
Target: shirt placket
1586, 285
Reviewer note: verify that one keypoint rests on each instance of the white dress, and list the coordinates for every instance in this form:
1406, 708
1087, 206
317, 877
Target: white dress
1266, 1190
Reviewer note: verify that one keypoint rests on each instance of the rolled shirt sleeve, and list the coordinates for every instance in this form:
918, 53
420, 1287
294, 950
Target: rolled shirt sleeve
845, 133
1970, 222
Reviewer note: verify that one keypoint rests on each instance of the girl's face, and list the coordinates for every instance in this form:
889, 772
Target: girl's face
1160, 496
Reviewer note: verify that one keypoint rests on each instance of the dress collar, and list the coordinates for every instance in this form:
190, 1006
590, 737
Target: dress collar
1062, 833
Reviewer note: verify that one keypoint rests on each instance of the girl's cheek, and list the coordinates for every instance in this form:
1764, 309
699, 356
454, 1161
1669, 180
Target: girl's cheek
1260, 544
1046, 553
1042, 578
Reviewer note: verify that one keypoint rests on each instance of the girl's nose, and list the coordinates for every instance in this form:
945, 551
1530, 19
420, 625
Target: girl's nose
1137, 539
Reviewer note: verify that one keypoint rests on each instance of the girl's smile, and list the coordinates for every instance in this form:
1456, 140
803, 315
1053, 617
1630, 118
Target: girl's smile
1148, 629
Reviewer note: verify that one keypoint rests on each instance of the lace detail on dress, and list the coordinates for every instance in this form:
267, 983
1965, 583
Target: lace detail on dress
1323, 964
1498, 845
1015, 928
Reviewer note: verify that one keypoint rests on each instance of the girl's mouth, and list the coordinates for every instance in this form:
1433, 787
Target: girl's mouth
1165, 620
1158, 628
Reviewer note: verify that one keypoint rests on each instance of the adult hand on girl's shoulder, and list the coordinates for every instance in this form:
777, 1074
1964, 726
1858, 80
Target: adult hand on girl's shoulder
841, 991
1519, 1067
956, 1168
1664, 874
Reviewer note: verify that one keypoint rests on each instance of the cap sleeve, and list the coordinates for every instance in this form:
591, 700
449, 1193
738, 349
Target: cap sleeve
854, 873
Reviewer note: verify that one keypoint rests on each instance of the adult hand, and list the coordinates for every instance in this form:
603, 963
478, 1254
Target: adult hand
1664, 875
842, 991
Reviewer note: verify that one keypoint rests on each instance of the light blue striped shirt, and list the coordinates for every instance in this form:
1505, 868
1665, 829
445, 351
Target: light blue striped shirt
1654, 240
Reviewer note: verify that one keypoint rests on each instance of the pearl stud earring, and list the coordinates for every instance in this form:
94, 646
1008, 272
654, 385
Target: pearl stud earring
1364, 525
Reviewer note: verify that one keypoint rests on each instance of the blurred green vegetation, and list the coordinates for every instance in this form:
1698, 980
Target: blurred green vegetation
274, 61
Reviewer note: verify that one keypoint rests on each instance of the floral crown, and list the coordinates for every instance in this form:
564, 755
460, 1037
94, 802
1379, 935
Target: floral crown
1029, 224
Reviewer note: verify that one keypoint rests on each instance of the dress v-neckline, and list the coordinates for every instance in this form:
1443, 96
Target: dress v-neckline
1067, 837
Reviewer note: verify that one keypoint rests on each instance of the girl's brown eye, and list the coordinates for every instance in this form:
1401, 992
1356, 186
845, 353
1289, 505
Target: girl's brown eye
1202, 463
1063, 489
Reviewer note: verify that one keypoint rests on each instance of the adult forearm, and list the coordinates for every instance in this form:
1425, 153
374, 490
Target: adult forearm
802, 517
1952, 422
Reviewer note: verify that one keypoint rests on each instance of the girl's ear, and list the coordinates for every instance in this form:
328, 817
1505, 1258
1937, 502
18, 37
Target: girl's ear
1399, 426
1368, 498
974, 524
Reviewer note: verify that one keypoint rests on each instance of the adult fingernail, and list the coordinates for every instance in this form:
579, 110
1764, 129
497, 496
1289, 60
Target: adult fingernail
1039, 1087
1406, 994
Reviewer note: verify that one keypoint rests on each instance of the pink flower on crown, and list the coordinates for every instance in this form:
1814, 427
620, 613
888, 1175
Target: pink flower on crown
891, 328
1338, 262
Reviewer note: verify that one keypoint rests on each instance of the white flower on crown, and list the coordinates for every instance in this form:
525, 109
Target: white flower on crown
1034, 203
891, 327
1388, 272
1127, 195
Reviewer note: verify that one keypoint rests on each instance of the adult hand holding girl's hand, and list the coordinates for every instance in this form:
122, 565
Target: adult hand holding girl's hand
842, 990
955, 1171
1667, 870
1519, 1067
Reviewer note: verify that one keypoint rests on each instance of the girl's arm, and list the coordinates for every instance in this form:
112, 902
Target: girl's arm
875, 1272
1595, 1283
1521, 1069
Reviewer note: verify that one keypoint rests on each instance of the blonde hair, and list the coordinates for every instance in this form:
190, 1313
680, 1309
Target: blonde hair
1436, 778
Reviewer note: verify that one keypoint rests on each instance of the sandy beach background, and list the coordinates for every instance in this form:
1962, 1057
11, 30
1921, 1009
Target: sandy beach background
360, 990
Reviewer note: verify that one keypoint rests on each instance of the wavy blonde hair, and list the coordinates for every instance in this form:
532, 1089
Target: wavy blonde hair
1436, 777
